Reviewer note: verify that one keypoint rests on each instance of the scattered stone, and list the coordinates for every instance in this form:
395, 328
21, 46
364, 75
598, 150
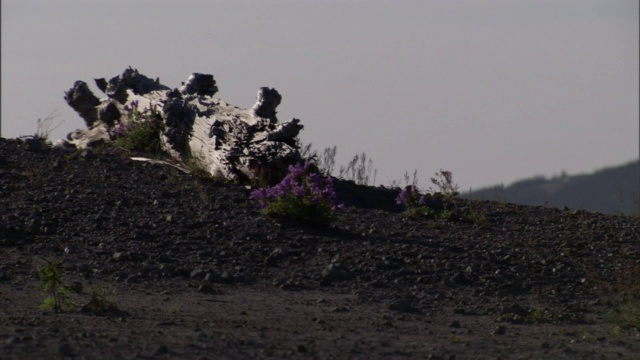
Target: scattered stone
147, 268
120, 275
405, 305
376, 284
340, 309
34, 145
500, 330
65, 349
207, 289
459, 279
198, 274
76, 287
13, 340
117, 256
133, 279
163, 350
334, 271
203, 254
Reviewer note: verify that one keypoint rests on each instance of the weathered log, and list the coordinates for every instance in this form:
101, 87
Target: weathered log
82, 100
238, 144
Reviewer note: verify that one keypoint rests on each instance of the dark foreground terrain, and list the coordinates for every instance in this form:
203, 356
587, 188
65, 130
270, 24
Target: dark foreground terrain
192, 270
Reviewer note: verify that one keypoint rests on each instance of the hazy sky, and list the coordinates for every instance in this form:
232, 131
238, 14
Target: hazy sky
493, 90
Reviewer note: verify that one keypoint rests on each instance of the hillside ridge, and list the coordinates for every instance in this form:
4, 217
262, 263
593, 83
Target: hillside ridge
611, 190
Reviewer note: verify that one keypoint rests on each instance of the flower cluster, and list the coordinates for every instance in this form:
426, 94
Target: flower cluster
410, 197
131, 106
435, 204
303, 195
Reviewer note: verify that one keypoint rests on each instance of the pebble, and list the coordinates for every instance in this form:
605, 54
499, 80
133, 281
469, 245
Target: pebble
133, 279
120, 275
500, 330
334, 271
403, 306
198, 274
65, 349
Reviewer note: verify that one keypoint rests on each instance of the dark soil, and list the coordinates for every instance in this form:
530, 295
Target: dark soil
194, 271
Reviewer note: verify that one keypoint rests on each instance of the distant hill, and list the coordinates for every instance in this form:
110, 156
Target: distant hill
611, 190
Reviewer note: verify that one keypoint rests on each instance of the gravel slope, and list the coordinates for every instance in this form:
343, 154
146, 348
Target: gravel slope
197, 272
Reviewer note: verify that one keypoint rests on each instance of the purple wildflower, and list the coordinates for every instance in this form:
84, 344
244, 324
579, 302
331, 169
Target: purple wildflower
410, 197
313, 194
298, 191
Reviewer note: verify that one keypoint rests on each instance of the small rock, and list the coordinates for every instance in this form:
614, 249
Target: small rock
334, 271
12, 340
33, 145
198, 274
226, 277
206, 289
471, 269
162, 349
271, 260
403, 306
133, 279
514, 309
203, 254
164, 258
120, 275
65, 349
376, 284
340, 309
459, 279
182, 271
76, 287
500, 330
149, 268
217, 278
57, 165
86, 154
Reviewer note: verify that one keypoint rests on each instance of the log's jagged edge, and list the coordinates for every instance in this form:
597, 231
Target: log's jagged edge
248, 145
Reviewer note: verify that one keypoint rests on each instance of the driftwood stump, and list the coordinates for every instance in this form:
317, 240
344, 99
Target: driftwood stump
238, 144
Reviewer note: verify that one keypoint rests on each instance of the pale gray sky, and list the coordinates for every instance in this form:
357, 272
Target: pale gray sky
493, 90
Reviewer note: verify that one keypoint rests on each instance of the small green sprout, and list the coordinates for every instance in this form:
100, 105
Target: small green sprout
56, 294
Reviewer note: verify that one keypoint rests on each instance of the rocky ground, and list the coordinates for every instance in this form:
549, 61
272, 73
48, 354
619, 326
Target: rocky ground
192, 270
